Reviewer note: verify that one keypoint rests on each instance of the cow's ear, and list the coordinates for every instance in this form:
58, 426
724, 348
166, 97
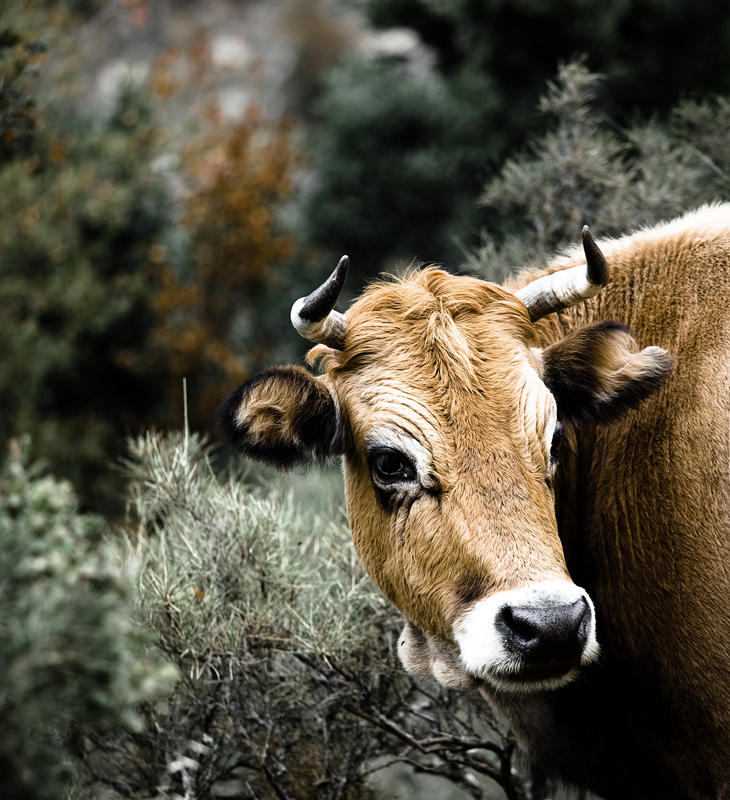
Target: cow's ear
597, 372
285, 416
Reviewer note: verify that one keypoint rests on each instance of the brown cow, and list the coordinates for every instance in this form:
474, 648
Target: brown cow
504, 446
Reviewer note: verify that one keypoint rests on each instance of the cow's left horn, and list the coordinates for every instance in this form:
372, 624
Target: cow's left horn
313, 315
567, 287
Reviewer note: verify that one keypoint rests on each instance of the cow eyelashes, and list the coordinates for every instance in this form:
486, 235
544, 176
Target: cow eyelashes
390, 467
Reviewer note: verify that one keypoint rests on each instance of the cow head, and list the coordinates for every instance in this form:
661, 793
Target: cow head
448, 419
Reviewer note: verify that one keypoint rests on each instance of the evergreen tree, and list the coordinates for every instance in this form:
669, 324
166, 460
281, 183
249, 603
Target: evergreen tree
81, 211
394, 164
403, 150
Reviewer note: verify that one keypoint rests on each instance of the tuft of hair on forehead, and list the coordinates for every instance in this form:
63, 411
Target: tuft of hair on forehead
428, 311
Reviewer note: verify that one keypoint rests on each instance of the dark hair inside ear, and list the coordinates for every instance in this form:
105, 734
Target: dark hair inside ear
597, 373
285, 417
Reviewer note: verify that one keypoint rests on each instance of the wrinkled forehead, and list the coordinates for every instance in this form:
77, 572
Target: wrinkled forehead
451, 328
436, 352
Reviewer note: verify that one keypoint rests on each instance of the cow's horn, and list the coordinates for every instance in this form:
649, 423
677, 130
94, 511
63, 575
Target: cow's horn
313, 315
567, 287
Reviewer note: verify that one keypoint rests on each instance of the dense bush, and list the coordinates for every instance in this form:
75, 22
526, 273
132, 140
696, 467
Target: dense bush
422, 139
211, 301
80, 212
71, 660
138, 247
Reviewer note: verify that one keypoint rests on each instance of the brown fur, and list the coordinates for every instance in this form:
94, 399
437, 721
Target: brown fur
443, 358
601, 355
637, 512
284, 416
642, 505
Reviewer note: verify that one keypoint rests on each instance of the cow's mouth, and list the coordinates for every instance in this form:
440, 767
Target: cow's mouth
543, 672
533, 678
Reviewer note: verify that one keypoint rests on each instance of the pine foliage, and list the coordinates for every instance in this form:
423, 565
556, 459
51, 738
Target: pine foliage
587, 171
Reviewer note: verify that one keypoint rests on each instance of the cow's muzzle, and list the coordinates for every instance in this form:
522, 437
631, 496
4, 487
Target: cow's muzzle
530, 639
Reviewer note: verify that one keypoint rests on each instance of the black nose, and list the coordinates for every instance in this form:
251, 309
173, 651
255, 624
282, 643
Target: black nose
545, 635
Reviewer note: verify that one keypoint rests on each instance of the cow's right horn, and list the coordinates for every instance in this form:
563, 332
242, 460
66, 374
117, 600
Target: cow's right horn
567, 287
313, 316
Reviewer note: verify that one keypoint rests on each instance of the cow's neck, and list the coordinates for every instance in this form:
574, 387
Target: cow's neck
580, 449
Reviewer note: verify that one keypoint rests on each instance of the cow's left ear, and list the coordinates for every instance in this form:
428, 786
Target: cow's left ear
286, 417
595, 372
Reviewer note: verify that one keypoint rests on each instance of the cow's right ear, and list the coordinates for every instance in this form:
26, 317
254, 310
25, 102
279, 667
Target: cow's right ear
597, 372
286, 417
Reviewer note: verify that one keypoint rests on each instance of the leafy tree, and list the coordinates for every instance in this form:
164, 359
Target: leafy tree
209, 303
119, 277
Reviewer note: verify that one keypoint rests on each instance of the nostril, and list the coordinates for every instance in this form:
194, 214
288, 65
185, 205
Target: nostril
570, 618
518, 624
583, 619
545, 633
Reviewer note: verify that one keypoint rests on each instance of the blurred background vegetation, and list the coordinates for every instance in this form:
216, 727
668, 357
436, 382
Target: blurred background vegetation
172, 176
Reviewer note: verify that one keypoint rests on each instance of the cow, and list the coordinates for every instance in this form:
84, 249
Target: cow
538, 476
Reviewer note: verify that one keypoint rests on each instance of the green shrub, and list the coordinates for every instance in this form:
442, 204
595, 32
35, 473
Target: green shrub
71, 661
406, 141
81, 211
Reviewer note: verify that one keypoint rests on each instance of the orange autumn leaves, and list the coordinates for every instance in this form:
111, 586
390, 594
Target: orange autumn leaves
238, 175
241, 181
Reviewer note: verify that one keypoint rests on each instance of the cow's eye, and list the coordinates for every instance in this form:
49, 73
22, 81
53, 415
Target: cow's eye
558, 436
391, 467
